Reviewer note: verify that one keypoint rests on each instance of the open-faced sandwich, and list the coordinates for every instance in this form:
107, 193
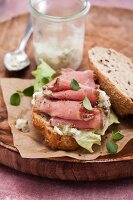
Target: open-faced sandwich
71, 111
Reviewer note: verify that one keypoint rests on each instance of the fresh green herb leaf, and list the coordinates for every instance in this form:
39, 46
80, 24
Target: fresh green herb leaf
45, 80
116, 135
87, 104
15, 99
111, 147
75, 85
28, 91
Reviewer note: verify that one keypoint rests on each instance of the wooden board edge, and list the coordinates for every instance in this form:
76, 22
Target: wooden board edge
62, 170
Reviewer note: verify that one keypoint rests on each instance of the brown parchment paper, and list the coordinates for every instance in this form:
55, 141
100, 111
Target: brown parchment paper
32, 145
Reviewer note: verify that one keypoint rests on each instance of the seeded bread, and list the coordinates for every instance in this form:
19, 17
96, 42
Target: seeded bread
115, 76
53, 139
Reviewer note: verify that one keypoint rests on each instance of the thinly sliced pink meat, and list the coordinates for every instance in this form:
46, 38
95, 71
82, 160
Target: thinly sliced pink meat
95, 123
62, 109
83, 77
77, 95
72, 110
63, 81
60, 84
63, 84
65, 105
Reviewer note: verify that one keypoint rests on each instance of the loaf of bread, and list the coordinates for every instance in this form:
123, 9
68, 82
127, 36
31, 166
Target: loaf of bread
115, 76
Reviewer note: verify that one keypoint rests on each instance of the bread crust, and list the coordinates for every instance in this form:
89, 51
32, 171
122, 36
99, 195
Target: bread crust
121, 103
53, 139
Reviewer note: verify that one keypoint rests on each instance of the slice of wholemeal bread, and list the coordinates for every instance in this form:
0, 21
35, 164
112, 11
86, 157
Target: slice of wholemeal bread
115, 76
53, 139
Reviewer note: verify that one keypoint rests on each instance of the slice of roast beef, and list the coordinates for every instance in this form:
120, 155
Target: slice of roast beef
77, 95
63, 82
72, 110
96, 122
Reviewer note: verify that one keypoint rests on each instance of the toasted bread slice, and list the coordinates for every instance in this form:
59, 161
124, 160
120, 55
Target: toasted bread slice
115, 76
53, 139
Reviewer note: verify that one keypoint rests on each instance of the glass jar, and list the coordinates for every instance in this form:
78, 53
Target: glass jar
58, 31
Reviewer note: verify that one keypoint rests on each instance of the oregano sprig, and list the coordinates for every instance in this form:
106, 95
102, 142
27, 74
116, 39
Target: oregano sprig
87, 103
28, 91
111, 145
116, 135
75, 85
15, 97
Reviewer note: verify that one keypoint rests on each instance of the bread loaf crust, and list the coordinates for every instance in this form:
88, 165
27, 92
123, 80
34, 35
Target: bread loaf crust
53, 139
120, 102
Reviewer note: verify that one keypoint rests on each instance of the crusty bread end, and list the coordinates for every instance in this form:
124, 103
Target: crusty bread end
115, 76
53, 139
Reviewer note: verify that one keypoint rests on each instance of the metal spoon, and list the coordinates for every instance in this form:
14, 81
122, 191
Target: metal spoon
18, 59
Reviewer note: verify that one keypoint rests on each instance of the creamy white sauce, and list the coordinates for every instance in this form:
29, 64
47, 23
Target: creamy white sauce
16, 61
67, 130
57, 130
36, 95
40, 94
22, 124
47, 92
103, 100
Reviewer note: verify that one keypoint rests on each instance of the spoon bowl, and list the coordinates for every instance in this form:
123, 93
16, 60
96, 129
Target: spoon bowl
18, 59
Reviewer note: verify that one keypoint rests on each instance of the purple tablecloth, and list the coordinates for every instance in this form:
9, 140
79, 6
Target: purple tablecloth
10, 8
17, 186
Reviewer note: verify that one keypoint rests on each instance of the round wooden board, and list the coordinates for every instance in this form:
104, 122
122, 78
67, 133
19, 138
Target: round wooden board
114, 32
107, 168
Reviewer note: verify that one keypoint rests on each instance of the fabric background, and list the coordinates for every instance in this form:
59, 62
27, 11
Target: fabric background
18, 186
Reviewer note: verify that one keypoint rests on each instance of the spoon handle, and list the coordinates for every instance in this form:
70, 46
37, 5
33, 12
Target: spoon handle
26, 36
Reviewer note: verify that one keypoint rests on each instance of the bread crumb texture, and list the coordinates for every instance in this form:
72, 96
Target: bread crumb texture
116, 67
115, 75
53, 139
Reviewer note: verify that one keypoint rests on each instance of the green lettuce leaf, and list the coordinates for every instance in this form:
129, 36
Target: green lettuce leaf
43, 71
87, 140
111, 119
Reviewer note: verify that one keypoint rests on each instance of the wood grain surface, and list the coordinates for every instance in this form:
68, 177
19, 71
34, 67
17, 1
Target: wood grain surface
106, 27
